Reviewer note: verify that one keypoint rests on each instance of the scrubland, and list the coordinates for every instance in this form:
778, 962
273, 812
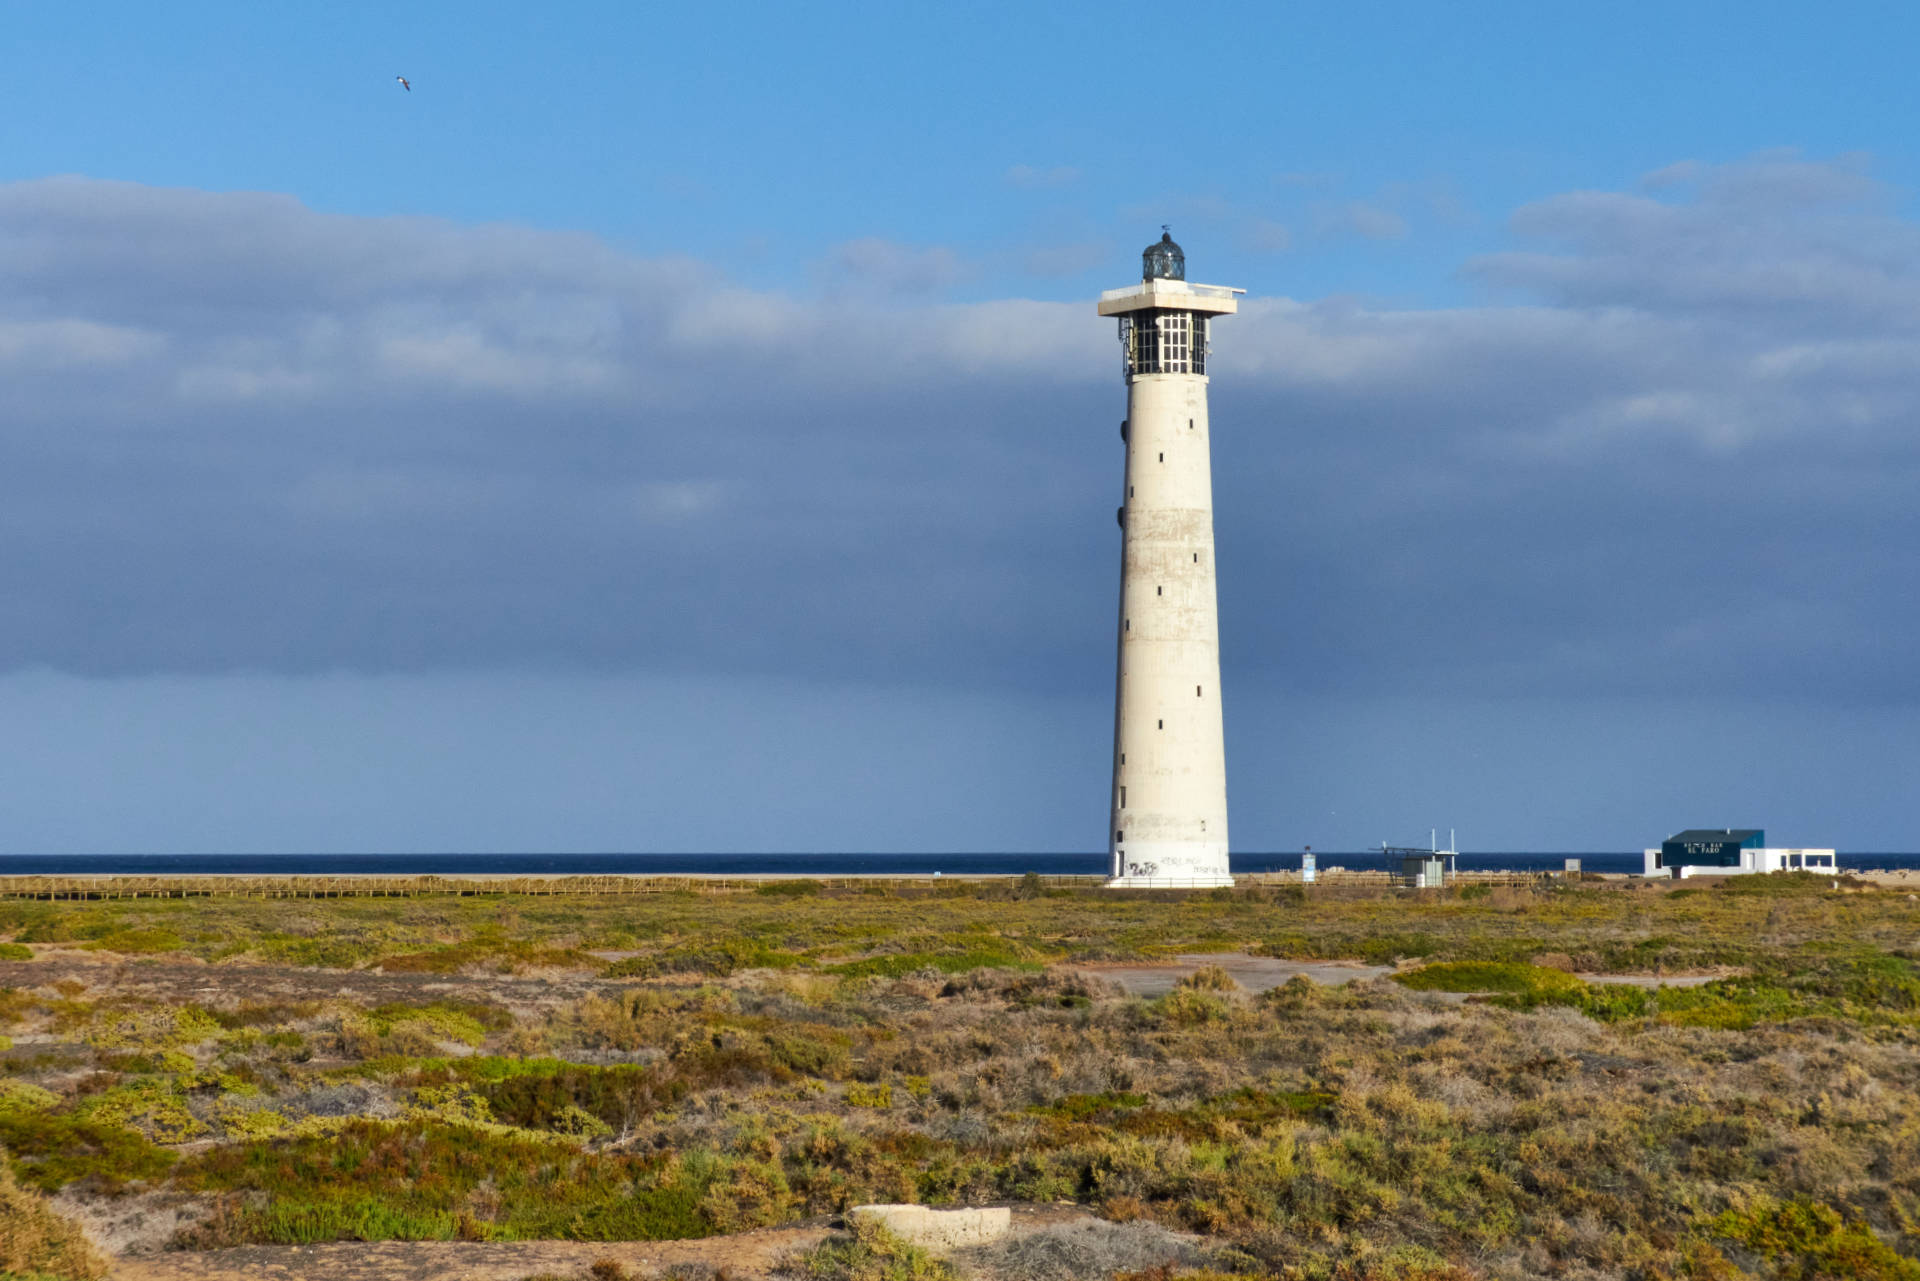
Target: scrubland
204, 1073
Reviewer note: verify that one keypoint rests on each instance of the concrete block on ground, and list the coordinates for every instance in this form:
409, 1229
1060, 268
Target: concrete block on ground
936, 1230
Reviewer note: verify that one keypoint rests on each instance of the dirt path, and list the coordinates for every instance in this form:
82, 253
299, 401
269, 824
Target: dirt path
747, 1257
1255, 973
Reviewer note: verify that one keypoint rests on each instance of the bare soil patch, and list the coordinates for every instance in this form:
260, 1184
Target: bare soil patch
1254, 973
745, 1256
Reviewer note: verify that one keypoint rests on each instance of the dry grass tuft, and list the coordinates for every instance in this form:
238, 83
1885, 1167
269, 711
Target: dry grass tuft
1071, 1251
1210, 978
34, 1241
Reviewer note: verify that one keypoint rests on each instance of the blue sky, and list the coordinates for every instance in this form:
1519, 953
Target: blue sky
757, 138
687, 428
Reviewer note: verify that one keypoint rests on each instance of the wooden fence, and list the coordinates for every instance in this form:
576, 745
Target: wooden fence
84, 888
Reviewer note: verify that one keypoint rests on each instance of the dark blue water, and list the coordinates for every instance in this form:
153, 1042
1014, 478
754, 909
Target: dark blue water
757, 864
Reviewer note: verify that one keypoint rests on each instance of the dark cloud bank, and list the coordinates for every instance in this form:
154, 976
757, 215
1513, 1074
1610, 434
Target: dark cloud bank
1672, 457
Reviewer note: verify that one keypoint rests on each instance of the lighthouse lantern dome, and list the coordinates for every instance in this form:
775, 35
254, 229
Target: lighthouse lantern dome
1163, 260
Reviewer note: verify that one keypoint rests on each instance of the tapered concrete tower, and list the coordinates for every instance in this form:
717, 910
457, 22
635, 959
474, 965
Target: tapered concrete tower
1169, 823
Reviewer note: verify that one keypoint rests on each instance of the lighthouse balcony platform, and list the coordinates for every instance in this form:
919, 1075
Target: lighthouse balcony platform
1219, 300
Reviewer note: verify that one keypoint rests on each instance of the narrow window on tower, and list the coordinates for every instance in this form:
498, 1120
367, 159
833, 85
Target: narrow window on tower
1123, 758
1196, 558
1196, 691
1163, 458
1189, 424
1119, 836
1158, 590
1161, 724
1129, 491
1123, 798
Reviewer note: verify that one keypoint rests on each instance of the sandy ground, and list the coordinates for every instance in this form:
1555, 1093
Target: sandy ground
1255, 973
749, 1256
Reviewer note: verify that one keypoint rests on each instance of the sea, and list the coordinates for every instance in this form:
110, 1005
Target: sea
817, 864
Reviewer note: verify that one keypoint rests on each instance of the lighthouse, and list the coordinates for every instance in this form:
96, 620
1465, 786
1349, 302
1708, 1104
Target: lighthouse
1169, 803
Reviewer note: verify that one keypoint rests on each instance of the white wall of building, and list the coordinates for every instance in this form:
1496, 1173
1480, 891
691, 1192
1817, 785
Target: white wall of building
1752, 862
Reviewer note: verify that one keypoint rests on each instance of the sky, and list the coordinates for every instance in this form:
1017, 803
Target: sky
687, 428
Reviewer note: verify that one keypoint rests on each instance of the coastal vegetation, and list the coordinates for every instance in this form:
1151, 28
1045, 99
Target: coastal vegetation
1499, 1104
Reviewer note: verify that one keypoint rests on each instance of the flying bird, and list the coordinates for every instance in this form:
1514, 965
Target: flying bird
404, 84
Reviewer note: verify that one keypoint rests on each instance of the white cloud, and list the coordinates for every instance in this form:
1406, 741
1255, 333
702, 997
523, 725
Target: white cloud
279, 440
900, 269
74, 344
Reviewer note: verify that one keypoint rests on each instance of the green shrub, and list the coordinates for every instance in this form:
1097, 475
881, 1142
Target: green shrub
984, 956
1807, 1241
869, 1096
489, 955
799, 887
1188, 1007
1083, 1107
715, 959
1518, 986
1488, 976
51, 1150
15, 952
135, 942
298, 1221
554, 1097
416, 1179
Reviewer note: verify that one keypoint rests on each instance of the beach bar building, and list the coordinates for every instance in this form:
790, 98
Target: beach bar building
1731, 851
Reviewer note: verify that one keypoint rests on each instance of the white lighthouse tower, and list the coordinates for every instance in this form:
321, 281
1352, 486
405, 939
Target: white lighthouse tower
1169, 824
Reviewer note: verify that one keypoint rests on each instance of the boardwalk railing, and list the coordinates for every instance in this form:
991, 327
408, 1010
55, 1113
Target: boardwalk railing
82, 888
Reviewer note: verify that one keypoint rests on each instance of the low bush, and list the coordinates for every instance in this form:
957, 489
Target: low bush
54, 1149
1210, 978
136, 942
798, 887
1356, 1132
489, 955
959, 961
717, 959
554, 1096
1807, 1241
417, 1179
1487, 976
1520, 986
